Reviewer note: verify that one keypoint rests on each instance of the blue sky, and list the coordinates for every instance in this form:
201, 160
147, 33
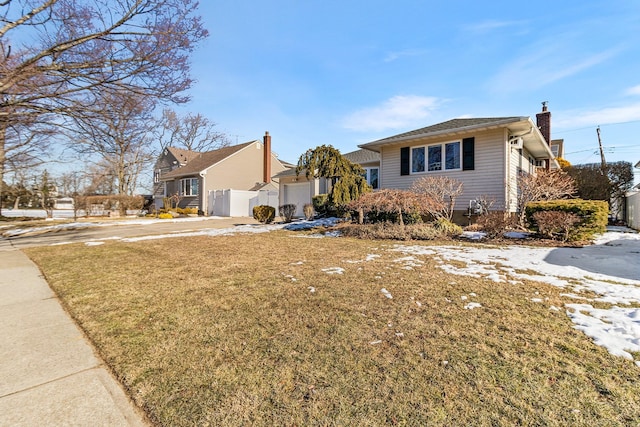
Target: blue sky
350, 72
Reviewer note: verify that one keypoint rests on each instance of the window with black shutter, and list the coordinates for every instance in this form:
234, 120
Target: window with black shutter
404, 161
468, 154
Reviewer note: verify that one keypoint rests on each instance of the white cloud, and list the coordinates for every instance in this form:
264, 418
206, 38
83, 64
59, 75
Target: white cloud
392, 56
395, 113
491, 25
544, 64
635, 90
603, 116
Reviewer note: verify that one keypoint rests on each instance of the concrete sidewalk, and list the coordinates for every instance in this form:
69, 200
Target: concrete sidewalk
49, 374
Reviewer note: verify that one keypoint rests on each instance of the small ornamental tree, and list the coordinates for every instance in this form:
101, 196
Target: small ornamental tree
441, 193
545, 185
346, 178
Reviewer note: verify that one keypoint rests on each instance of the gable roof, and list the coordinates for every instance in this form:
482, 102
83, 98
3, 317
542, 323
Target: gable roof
449, 127
183, 156
202, 161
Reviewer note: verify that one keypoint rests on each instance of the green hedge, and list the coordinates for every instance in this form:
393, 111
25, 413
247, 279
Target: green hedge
263, 213
593, 215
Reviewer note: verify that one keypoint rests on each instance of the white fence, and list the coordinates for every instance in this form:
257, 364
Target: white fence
633, 210
239, 202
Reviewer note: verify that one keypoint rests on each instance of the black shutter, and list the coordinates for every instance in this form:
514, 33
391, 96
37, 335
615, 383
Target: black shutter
404, 161
468, 154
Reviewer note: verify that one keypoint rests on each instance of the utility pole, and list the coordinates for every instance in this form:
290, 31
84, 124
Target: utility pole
603, 162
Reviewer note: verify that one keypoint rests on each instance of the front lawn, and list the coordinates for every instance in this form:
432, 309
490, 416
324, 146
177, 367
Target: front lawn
273, 329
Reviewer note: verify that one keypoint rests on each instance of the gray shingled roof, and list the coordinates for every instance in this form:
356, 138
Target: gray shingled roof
450, 126
204, 160
362, 156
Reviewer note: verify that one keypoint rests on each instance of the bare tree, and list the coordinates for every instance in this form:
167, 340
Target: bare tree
545, 185
118, 130
193, 132
45, 190
56, 56
73, 184
100, 179
441, 188
23, 144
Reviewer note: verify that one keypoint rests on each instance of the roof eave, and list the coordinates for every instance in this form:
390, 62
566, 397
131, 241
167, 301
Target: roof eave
375, 145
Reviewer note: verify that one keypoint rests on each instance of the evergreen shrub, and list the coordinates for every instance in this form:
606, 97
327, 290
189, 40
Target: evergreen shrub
593, 216
264, 213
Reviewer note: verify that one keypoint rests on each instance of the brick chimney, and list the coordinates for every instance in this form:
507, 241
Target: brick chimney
543, 120
267, 158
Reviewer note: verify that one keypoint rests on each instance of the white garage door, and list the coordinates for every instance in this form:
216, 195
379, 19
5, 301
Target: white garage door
299, 195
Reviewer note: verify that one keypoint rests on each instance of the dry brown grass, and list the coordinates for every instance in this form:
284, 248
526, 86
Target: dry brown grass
216, 331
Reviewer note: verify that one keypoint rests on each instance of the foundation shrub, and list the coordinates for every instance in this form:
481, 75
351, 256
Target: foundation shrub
426, 231
187, 211
392, 231
379, 230
386, 216
592, 214
309, 211
321, 203
287, 212
264, 213
494, 223
447, 227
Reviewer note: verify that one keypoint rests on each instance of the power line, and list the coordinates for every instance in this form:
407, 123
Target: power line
604, 125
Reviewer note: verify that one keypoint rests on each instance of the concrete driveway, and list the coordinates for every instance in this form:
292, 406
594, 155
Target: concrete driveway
123, 229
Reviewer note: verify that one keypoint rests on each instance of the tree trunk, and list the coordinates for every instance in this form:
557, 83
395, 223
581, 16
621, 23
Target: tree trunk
3, 133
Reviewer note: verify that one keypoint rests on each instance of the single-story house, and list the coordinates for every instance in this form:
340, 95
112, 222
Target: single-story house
485, 154
193, 177
298, 190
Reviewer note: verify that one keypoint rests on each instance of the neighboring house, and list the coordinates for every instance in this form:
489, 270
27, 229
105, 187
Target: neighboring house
298, 190
485, 154
192, 177
633, 205
557, 148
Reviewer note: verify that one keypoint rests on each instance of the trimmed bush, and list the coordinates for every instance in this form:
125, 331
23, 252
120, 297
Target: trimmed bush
447, 227
321, 203
391, 231
287, 212
309, 211
165, 216
593, 216
263, 213
187, 211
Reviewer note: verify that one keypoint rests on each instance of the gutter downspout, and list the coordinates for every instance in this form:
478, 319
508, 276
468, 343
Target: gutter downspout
204, 195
